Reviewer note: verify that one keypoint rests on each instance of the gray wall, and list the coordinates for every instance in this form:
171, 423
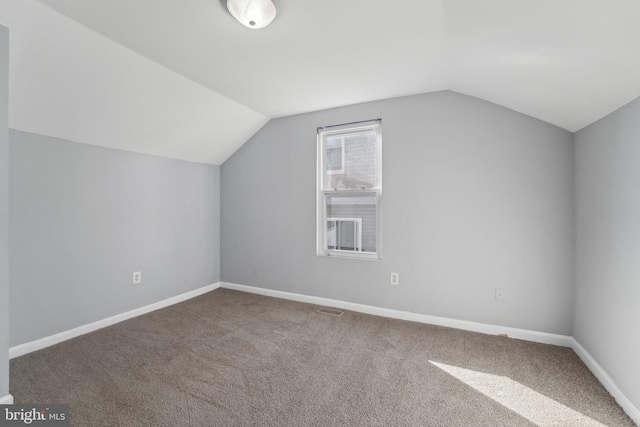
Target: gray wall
475, 196
84, 218
607, 297
4, 213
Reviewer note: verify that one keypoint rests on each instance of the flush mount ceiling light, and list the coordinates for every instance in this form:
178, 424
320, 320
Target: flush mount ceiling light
252, 13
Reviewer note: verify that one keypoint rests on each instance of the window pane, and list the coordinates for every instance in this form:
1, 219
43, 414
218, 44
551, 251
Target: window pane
354, 167
351, 222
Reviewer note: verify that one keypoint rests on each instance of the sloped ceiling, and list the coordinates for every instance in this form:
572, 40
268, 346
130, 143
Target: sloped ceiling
183, 79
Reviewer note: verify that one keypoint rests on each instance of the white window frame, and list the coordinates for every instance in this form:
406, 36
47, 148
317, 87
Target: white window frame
322, 193
357, 238
342, 153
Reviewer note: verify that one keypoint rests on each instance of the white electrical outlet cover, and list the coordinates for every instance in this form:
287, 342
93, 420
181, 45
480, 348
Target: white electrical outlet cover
394, 278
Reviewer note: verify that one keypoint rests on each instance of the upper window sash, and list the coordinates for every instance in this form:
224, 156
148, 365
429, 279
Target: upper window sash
359, 171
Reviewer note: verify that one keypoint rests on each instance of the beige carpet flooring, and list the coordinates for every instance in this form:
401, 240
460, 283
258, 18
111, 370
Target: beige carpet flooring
229, 358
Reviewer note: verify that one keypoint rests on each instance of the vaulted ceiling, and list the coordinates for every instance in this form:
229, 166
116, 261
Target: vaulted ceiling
183, 79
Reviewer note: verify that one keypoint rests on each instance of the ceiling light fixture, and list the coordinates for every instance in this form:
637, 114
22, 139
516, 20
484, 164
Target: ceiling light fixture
252, 13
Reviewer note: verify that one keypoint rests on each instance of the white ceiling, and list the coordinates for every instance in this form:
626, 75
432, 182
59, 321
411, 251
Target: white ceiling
183, 79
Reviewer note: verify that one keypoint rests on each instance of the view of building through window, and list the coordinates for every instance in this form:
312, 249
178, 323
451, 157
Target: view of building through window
349, 189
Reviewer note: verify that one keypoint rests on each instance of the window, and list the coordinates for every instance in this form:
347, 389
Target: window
335, 155
344, 234
349, 190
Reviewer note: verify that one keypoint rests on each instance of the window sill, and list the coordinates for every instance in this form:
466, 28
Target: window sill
351, 255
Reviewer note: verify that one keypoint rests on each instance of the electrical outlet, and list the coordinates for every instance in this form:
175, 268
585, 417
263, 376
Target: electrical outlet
500, 295
394, 279
137, 277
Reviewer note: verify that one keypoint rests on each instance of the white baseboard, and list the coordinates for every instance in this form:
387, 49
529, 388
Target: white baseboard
6, 400
607, 381
523, 334
39, 344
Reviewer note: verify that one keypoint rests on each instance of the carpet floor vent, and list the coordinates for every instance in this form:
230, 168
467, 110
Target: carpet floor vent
330, 312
